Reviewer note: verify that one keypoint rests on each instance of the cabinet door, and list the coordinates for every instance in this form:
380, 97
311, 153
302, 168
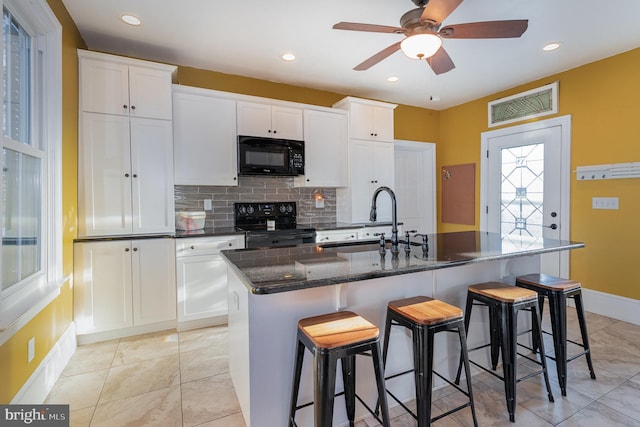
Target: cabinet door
254, 119
286, 123
154, 283
325, 149
383, 175
371, 122
104, 175
102, 286
204, 140
104, 87
152, 176
361, 184
202, 287
383, 123
149, 93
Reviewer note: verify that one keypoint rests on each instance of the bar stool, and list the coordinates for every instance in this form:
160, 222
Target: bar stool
557, 290
341, 335
504, 302
425, 317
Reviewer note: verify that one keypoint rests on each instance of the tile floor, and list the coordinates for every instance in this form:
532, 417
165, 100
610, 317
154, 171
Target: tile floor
182, 379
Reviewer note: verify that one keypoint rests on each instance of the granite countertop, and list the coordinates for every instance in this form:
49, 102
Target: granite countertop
267, 271
208, 232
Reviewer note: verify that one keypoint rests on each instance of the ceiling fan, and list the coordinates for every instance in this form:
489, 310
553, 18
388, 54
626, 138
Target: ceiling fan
424, 34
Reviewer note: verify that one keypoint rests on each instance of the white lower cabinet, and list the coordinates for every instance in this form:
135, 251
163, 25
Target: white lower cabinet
123, 284
202, 277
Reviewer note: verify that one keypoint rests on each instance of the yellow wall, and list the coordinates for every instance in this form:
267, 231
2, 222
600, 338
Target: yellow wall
50, 323
602, 100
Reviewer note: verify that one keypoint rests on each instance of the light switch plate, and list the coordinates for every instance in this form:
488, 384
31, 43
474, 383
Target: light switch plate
604, 203
207, 204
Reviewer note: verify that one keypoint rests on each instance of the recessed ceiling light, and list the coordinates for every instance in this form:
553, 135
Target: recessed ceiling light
288, 56
131, 20
551, 46
434, 98
393, 79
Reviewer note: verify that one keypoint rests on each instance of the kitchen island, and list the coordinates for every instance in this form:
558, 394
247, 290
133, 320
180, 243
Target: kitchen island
271, 289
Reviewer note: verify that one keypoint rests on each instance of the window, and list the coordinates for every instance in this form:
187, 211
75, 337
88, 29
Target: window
31, 146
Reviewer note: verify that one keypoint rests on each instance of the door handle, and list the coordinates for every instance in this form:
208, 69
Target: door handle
552, 226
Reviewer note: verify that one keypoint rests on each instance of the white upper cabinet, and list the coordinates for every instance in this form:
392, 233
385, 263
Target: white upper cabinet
326, 149
272, 121
204, 138
125, 154
111, 84
369, 120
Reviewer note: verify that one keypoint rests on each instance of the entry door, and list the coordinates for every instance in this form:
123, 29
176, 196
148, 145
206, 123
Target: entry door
526, 186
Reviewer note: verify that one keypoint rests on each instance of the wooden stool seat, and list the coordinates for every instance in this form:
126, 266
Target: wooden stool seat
503, 292
337, 329
425, 310
551, 283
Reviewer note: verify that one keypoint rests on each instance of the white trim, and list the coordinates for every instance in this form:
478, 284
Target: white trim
614, 306
44, 377
565, 177
36, 308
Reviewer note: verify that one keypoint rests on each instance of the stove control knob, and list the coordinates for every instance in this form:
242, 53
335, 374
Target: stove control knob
242, 209
283, 208
290, 208
250, 210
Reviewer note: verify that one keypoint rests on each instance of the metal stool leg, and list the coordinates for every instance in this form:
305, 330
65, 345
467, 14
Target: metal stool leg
543, 359
349, 381
577, 298
324, 388
509, 336
467, 370
296, 382
467, 320
557, 309
382, 401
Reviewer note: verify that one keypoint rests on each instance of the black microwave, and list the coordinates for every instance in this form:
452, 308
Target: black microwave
270, 156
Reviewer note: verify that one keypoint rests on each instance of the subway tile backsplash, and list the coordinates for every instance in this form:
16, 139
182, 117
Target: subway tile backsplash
256, 189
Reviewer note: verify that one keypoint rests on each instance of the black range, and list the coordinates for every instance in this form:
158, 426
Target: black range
271, 224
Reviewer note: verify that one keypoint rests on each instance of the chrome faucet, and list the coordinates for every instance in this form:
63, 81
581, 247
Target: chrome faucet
394, 216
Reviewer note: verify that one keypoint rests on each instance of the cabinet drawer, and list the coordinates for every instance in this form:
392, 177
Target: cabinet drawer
207, 245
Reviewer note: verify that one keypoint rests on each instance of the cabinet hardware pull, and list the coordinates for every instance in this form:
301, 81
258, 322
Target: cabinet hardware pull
124, 106
126, 175
193, 247
126, 249
135, 249
135, 175
133, 107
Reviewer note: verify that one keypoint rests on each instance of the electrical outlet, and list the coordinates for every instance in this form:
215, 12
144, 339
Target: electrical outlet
31, 349
207, 204
320, 203
604, 203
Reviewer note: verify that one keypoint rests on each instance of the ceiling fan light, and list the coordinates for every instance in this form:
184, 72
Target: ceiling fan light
421, 46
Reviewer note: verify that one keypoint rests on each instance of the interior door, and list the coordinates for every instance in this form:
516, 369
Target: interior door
415, 185
526, 187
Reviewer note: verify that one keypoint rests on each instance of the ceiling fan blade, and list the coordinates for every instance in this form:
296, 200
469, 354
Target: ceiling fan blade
438, 10
485, 30
440, 62
384, 53
372, 28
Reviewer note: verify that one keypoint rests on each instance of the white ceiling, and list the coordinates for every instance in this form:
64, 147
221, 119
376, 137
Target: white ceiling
246, 38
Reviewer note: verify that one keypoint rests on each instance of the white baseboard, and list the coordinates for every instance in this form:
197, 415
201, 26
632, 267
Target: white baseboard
614, 306
36, 389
